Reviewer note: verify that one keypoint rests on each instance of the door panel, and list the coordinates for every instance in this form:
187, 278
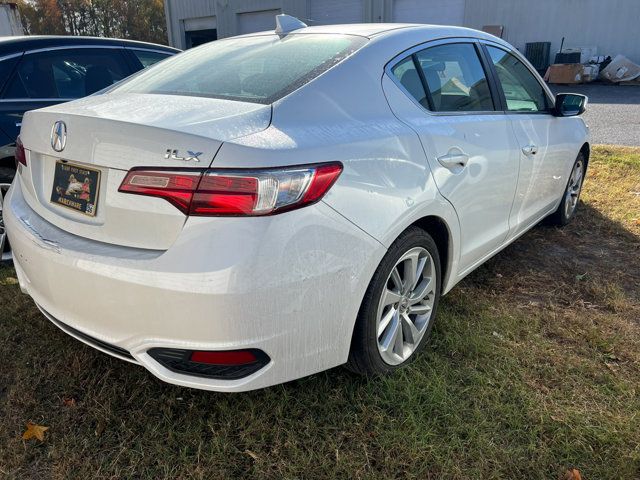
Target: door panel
541, 139
482, 191
472, 153
543, 175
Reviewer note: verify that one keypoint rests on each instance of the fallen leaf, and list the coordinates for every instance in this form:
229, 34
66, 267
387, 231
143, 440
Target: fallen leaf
34, 431
69, 401
251, 454
573, 474
100, 428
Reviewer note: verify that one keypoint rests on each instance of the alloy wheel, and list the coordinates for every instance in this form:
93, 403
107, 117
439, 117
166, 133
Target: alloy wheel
573, 189
406, 305
5, 250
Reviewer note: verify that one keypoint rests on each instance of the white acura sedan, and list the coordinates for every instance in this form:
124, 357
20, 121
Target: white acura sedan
268, 206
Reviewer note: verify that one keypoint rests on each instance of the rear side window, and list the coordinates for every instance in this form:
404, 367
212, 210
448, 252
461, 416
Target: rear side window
521, 89
148, 58
259, 69
66, 73
454, 78
409, 77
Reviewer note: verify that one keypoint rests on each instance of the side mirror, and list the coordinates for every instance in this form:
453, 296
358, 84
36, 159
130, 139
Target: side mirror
570, 104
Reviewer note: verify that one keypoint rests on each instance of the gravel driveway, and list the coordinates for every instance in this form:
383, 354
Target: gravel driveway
613, 112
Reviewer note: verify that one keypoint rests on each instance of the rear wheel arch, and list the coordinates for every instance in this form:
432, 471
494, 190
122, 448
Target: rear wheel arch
440, 231
441, 234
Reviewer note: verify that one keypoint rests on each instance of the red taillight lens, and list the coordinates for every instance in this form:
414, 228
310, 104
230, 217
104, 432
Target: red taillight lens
174, 186
225, 195
20, 155
325, 177
230, 357
222, 192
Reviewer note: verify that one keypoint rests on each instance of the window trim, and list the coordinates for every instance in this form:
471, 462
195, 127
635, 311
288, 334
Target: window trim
73, 47
435, 43
549, 97
163, 52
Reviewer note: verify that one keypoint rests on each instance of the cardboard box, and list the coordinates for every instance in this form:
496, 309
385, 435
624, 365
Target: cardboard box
590, 72
621, 69
565, 73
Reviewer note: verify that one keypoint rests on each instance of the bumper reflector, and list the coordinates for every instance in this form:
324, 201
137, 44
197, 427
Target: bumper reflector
221, 365
234, 357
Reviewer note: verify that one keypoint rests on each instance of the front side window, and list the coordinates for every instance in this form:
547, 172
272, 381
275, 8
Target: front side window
522, 90
66, 73
259, 69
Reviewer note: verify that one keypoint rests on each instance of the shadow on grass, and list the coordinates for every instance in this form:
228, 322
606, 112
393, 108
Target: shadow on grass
469, 407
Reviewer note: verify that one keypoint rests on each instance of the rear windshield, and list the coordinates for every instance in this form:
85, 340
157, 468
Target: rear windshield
259, 69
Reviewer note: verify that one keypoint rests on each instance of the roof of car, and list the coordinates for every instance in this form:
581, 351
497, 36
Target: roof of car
363, 29
11, 45
370, 30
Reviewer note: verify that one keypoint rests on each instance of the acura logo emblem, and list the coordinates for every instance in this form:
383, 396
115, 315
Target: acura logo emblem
59, 136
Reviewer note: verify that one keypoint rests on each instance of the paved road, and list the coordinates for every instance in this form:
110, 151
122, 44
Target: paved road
613, 112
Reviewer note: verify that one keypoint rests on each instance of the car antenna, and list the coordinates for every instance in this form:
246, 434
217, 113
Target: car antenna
287, 23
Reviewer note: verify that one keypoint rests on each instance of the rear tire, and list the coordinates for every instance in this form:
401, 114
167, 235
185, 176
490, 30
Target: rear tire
7, 174
399, 307
571, 196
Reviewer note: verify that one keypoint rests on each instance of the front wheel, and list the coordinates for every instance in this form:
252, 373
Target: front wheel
399, 307
569, 204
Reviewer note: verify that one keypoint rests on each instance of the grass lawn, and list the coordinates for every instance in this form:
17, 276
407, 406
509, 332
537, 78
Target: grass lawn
533, 368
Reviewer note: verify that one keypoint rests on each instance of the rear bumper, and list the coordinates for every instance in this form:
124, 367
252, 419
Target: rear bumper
289, 285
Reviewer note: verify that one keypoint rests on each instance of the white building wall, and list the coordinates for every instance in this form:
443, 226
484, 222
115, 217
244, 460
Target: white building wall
178, 12
438, 12
10, 22
611, 25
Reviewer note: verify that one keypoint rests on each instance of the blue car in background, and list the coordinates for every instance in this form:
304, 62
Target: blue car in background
37, 72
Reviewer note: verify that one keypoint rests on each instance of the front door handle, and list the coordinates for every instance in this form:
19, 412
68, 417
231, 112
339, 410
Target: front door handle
454, 158
530, 149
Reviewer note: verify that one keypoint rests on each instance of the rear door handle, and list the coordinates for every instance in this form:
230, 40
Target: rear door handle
530, 149
454, 158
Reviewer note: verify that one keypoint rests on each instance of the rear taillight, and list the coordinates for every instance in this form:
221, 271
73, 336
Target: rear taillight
20, 155
223, 192
177, 187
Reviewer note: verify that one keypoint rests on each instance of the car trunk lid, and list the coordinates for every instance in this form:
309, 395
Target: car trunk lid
111, 134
